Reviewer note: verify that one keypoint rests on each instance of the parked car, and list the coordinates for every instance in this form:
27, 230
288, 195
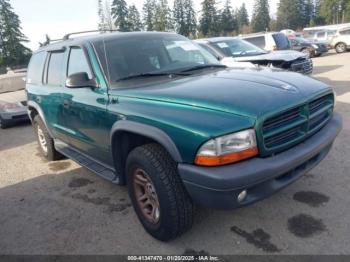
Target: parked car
233, 51
325, 37
160, 114
270, 41
13, 104
311, 49
341, 40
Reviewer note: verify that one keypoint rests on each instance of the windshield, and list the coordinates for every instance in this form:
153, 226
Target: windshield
149, 55
237, 48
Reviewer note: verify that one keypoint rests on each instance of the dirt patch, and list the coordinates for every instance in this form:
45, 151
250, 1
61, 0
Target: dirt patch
59, 166
259, 238
313, 199
102, 201
79, 182
305, 226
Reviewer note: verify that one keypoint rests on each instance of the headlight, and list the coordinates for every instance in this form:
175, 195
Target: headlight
9, 106
315, 46
228, 149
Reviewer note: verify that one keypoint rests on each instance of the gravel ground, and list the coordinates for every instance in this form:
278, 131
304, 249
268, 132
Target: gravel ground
62, 208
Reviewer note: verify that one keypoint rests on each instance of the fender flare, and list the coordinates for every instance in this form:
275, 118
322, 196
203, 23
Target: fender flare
40, 112
148, 131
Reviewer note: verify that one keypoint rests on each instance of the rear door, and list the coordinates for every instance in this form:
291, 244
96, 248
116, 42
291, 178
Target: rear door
46, 90
281, 41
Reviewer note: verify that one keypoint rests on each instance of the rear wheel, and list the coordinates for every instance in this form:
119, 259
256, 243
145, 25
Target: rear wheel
45, 141
160, 200
340, 48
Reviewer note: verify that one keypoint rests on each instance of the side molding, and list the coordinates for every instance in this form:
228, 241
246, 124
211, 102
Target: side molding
149, 131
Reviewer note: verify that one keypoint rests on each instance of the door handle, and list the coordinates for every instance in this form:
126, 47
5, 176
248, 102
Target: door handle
66, 104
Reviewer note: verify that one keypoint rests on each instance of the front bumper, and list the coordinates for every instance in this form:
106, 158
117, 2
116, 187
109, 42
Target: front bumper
219, 187
16, 116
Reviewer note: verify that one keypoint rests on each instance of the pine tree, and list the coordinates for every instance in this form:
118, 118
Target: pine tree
120, 14
162, 16
12, 51
261, 16
208, 24
105, 16
242, 17
289, 15
184, 18
149, 8
134, 19
228, 23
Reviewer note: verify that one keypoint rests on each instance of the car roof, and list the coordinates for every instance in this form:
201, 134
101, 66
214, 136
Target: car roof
216, 39
97, 37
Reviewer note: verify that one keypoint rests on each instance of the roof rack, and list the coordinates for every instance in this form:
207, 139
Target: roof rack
67, 36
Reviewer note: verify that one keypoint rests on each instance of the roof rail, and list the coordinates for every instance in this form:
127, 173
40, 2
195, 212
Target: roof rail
67, 36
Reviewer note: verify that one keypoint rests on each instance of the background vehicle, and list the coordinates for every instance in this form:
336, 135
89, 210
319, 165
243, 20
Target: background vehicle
160, 114
324, 37
311, 49
13, 104
341, 40
270, 41
230, 49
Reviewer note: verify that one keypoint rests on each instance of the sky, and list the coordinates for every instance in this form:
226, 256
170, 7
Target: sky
59, 17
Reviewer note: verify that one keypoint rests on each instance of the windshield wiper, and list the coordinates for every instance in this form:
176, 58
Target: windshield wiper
198, 67
149, 75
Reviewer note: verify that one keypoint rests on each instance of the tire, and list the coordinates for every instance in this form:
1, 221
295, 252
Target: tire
3, 124
175, 208
42, 135
340, 48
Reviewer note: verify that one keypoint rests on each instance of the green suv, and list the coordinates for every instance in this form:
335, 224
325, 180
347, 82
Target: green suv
156, 112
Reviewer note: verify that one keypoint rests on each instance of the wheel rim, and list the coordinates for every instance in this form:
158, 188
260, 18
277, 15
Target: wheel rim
307, 52
341, 47
42, 139
146, 196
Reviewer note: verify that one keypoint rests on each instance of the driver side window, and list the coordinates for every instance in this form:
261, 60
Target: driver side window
77, 62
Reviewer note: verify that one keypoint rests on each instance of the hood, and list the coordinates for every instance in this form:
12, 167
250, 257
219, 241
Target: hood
283, 55
246, 92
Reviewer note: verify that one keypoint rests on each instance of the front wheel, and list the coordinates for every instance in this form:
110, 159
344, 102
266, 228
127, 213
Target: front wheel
160, 200
340, 48
308, 52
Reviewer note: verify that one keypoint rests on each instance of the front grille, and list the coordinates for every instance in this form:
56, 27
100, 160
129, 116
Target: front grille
294, 125
304, 66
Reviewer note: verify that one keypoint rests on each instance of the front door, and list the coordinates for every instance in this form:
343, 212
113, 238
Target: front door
86, 111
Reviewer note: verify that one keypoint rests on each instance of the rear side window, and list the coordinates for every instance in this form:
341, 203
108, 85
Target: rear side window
78, 62
345, 32
321, 35
54, 72
36, 67
281, 41
258, 41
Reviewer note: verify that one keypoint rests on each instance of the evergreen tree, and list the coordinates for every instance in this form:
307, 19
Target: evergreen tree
162, 16
208, 24
184, 18
334, 11
228, 23
120, 14
134, 19
12, 51
290, 15
149, 8
261, 16
105, 16
242, 16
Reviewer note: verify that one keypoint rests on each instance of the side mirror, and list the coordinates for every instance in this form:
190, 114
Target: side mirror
80, 80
